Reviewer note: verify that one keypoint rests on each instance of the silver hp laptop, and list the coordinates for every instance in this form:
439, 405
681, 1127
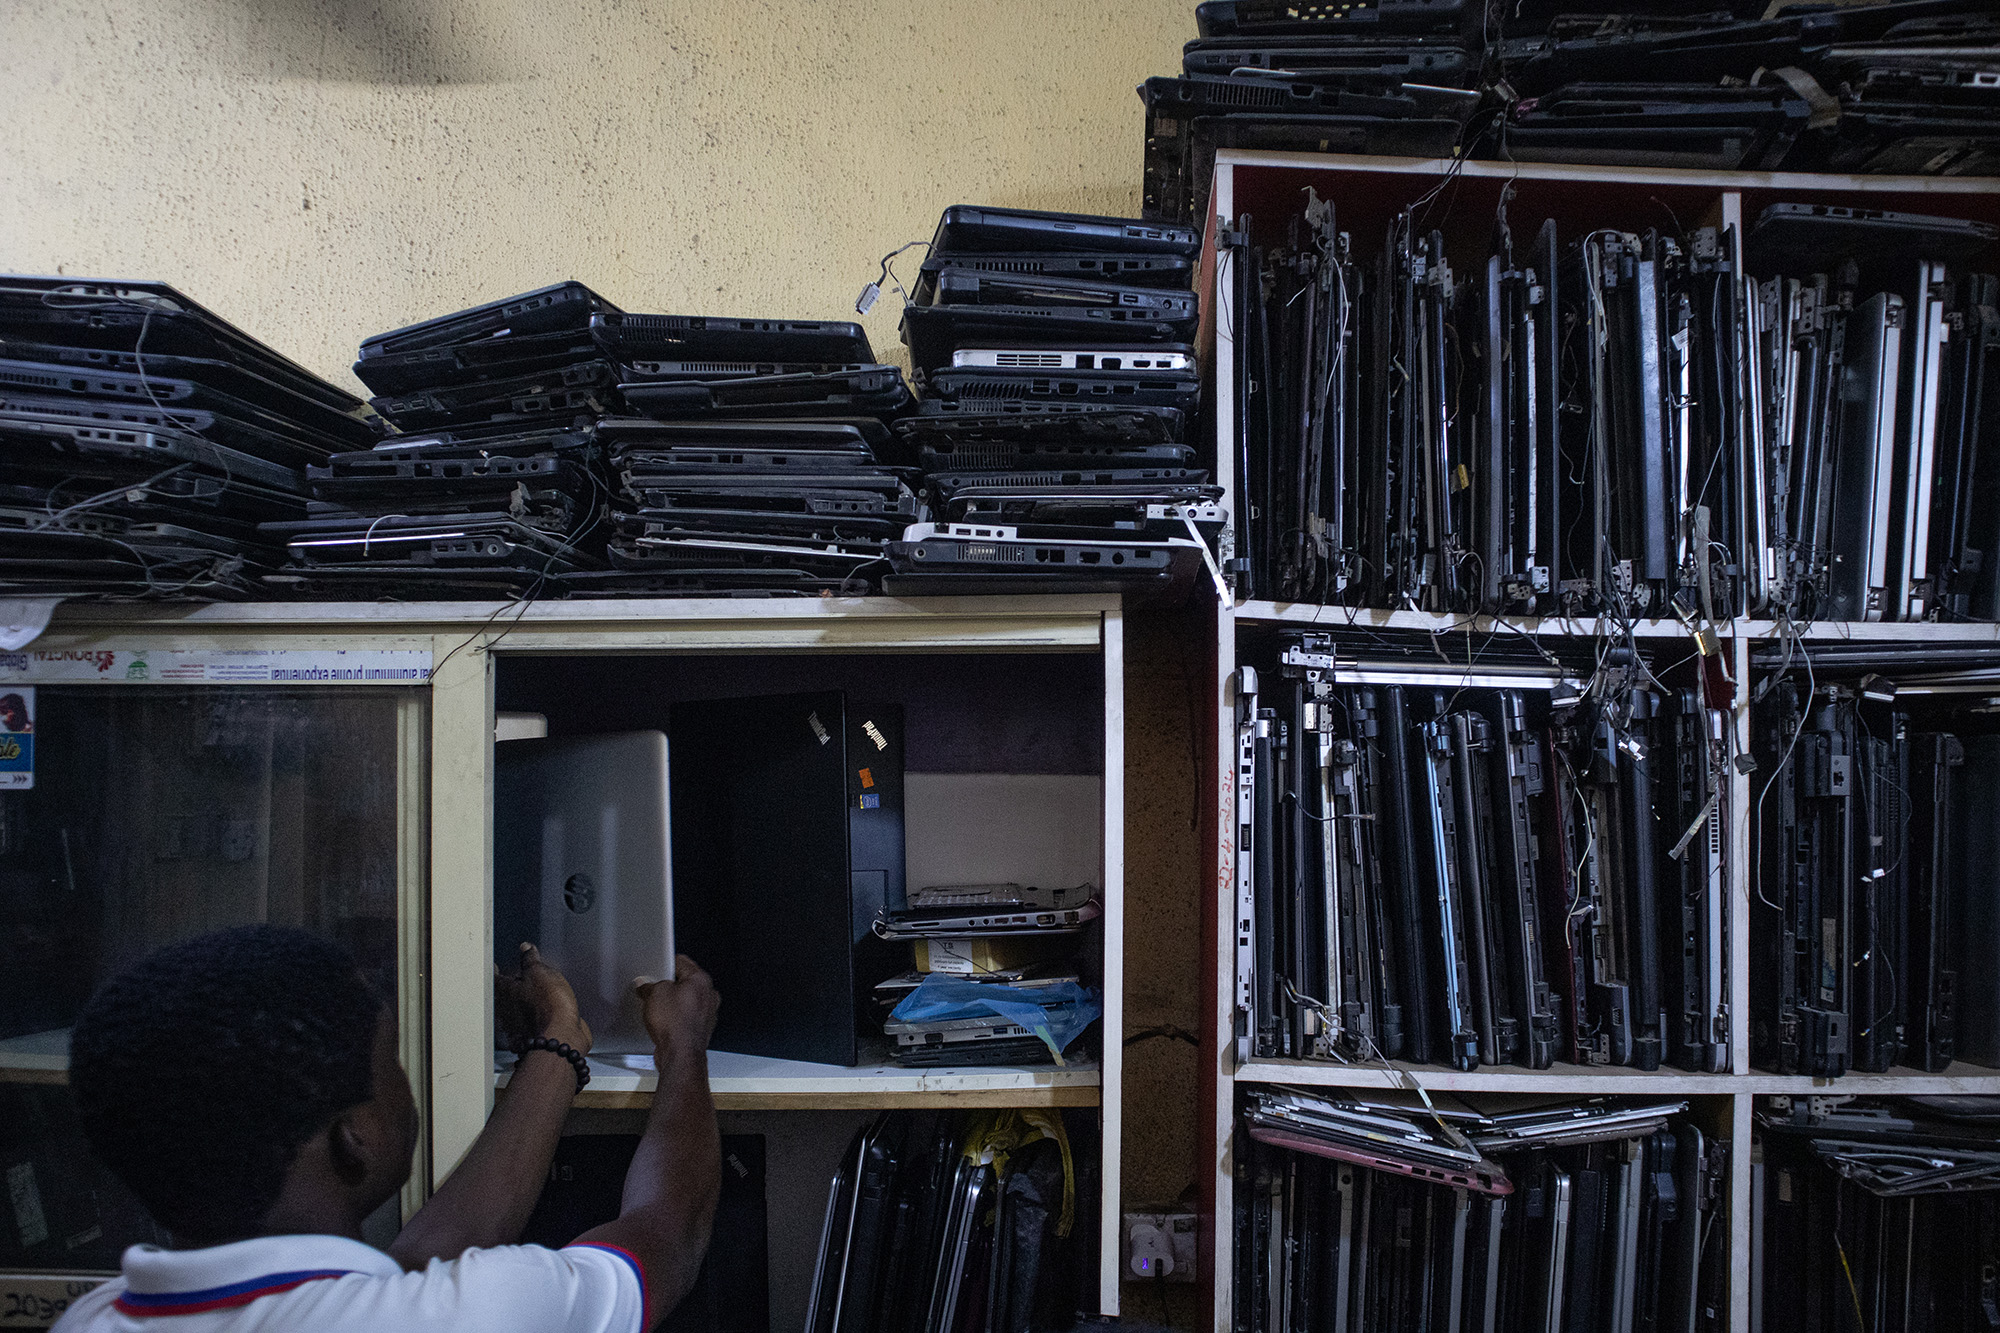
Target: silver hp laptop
1461, 1224
1551, 1264
1569, 1123
1484, 1316
1343, 1256
1866, 453
1005, 897
976, 919
1927, 336
1628, 1198
581, 866
1143, 359
971, 1030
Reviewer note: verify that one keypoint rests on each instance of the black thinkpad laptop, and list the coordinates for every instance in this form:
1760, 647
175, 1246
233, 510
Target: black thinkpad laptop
984, 385
941, 424
114, 314
579, 388
848, 434
871, 389
329, 432
500, 357
934, 332
1138, 269
703, 338
566, 305
969, 286
976, 229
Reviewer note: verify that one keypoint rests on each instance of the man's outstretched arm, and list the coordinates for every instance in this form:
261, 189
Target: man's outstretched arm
489, 1198
676, 1176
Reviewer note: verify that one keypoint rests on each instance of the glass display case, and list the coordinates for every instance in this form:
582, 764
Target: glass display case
332, 766
152, 813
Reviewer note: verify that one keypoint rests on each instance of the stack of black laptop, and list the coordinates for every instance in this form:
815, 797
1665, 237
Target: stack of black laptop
1900, 87
1876, 1214
1386, 76
1500, 429
1894, 86
1058, 385
1481, 872
1384, 1212
1792, 422
1870, 337
493, 488
146, 439
1877, 911
556, 444
755, 455
922, 1233
1020, 939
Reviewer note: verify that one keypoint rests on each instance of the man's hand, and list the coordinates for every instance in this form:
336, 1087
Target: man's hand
488, 1199
537, 1002
676, 1175
680, 1014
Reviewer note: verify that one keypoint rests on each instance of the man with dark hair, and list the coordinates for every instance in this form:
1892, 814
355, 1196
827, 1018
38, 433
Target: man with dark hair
245, 1086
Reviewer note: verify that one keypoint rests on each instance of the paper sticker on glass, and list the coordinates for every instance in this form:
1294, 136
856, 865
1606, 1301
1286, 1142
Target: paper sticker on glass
17, 738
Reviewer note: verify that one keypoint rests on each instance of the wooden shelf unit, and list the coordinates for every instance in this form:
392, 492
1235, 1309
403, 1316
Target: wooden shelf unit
1368, 190
445, 908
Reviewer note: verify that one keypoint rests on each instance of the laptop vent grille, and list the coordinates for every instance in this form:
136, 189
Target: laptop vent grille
1051, 359
27, 379
1244, 93
979, 456
1162, 476
988, 553
1043, 388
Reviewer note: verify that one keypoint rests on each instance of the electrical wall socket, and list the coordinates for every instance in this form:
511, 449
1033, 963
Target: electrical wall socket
1157, 1243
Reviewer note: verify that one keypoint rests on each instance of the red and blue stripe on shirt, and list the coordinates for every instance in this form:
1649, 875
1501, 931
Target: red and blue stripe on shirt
218, 1298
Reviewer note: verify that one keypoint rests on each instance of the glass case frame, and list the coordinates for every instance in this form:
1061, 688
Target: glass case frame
445, 766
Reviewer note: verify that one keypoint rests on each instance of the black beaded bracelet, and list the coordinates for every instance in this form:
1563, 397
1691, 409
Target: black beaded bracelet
566, 1051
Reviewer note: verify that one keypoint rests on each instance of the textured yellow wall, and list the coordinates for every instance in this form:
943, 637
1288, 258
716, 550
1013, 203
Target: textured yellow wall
318, 170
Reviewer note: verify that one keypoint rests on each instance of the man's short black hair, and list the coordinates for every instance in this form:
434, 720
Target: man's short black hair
200, 1071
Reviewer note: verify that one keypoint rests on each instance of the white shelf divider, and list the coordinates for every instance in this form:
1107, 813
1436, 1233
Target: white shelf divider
1580, 1080
741, 1079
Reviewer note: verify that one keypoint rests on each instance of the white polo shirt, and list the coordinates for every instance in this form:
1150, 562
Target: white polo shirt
329, 1284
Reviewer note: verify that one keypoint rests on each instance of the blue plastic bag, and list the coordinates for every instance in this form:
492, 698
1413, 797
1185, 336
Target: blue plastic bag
1056, 1014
